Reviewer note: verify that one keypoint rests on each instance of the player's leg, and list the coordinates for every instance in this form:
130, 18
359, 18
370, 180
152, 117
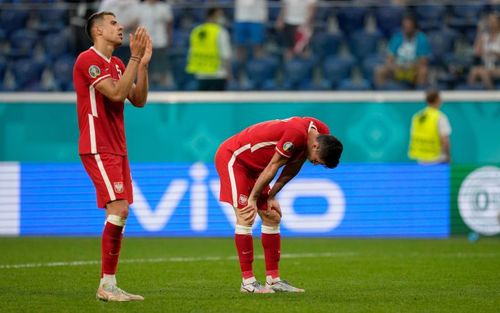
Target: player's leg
271, 242
235, 186
111, 177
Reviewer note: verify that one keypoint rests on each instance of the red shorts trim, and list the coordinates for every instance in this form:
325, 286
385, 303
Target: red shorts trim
110, 174
236, 181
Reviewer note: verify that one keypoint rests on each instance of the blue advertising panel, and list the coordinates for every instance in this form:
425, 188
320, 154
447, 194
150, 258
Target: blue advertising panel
179, 199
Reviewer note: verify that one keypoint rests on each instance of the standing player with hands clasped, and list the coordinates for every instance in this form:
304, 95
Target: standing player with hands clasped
247, 163
102, 83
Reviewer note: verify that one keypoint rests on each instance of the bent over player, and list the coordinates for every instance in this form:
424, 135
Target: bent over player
102, 83
247, 162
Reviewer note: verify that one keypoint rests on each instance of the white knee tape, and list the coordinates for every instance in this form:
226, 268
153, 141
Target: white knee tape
243, 230
270, 229
116, 220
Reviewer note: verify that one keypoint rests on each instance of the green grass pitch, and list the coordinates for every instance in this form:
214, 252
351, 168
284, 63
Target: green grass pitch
202, 275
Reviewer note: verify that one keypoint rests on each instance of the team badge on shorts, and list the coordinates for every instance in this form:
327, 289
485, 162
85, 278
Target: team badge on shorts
243, 200
118, 187
287, 146
94, 71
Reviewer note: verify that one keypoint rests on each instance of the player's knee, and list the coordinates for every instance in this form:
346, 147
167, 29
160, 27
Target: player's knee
119, 208
270, 217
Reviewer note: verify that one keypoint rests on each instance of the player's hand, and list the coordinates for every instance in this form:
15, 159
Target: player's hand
249, 212
138, 42
273, 204
148, 52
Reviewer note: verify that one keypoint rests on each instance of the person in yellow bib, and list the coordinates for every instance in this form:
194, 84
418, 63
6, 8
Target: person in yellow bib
430, 133
210, 52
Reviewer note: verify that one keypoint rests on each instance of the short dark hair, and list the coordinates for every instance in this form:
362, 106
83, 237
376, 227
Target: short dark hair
330, 150
97, 16
212, 11
432, 95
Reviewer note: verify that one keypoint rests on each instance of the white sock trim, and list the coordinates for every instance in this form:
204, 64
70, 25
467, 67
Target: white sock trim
270, 229
116, 220
249, 280
243, 230
108, 280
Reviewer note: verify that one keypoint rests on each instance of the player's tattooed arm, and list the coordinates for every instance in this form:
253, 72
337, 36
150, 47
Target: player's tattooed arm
289, 171
264, 179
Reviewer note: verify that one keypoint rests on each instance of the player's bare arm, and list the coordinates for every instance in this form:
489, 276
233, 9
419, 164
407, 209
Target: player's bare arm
264, 179
118, 90
445, 144
138, 95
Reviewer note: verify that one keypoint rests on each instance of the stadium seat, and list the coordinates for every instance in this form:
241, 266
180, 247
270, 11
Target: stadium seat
388, 19
56, 44
3, 69
52, 18
180, 43
22, 43
324, 44
395, 86
467, 87
335, 69
465, 17
183, 80
363, 44
354, 85
63, 72
442, 42
351, 19
27, 74
298, 74
261, 72
369, 64
13, 19
430, 17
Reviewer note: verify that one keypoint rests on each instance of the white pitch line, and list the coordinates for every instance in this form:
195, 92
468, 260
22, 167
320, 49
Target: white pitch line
176, 260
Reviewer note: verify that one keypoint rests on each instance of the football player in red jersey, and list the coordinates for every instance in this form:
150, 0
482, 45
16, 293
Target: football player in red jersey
102, 83
247, 162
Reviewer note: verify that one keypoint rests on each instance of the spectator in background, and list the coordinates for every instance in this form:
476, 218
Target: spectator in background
210, 52
249, 26
295, 21
430, 133
157, 17
127, 12
487, 52
408, 56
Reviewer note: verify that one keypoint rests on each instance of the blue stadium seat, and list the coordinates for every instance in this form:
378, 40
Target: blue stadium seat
395, 86
63, 72
324, 44
27, 74
13, 19
430, 17
3, 69
261, 73
465, 17
467, 87
442, 42
180, 43
56, 44
388, 19
52, 18
352, 85
363, 44
335, 69
298, 74
183, 80
22, 43
352, 19
369, 64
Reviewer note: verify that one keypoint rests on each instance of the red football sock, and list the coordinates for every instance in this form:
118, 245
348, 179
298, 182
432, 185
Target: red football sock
272, 246
244, 245
110, 248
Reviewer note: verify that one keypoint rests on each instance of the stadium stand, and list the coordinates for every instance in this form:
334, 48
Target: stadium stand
349, 40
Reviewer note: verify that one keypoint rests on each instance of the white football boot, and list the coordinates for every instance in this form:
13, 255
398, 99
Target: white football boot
279, 285
254, 287
109, 292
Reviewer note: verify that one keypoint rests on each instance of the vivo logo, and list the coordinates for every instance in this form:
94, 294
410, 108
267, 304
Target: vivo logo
201, 189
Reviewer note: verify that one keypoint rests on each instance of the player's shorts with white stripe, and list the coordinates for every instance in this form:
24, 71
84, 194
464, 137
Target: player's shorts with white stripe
237, 181
110, 174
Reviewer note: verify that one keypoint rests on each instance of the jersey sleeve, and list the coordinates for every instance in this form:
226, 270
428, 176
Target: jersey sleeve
292, 142
93, 69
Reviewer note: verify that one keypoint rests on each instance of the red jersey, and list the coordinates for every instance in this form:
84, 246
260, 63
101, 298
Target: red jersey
100, 119
255, 146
